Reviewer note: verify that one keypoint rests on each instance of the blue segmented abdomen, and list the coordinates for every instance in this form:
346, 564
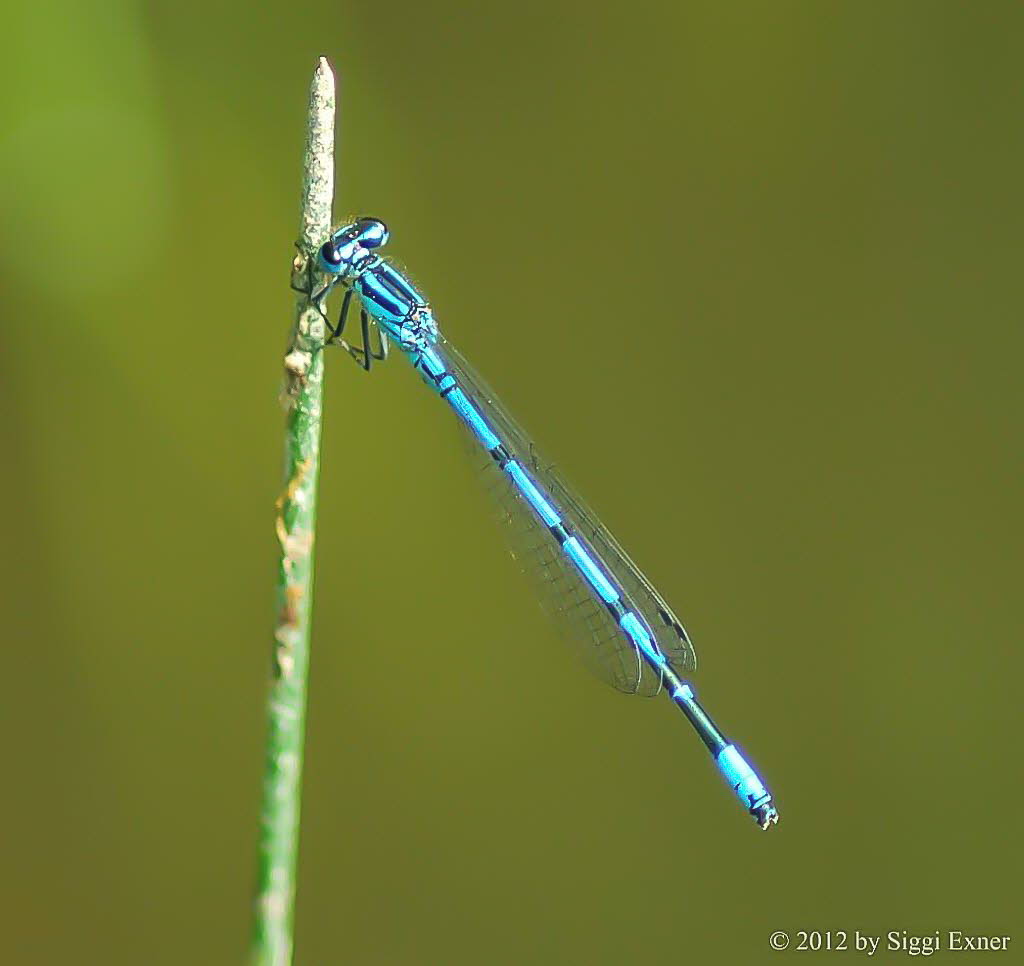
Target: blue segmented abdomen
632, 625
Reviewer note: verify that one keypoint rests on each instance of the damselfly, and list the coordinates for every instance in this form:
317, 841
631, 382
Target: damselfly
634, 640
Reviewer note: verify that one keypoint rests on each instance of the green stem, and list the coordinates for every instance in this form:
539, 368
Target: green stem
286, 706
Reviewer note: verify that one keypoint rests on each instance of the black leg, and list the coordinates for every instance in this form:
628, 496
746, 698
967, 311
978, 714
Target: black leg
364, 354
308, 287
361, 354
336, 331
383, 344
310, 272
316, 299
381, 351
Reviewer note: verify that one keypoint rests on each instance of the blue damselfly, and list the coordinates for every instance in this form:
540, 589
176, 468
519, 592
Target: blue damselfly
634, 640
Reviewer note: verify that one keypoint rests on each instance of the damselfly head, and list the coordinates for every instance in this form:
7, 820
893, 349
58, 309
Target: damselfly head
348, 247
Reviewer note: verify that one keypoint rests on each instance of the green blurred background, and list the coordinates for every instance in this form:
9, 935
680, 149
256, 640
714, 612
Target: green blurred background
769, 249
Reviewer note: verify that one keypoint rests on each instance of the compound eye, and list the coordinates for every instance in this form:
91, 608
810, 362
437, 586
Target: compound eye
330, 258
372, 232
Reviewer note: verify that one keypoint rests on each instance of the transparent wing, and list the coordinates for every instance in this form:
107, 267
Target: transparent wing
605, 650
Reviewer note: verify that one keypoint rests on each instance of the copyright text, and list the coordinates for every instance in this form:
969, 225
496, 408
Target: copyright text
894, 941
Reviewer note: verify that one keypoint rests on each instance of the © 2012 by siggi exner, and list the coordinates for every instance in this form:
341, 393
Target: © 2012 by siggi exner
953, 940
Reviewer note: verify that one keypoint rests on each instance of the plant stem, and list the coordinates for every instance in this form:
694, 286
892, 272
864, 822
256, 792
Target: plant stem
296, 515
